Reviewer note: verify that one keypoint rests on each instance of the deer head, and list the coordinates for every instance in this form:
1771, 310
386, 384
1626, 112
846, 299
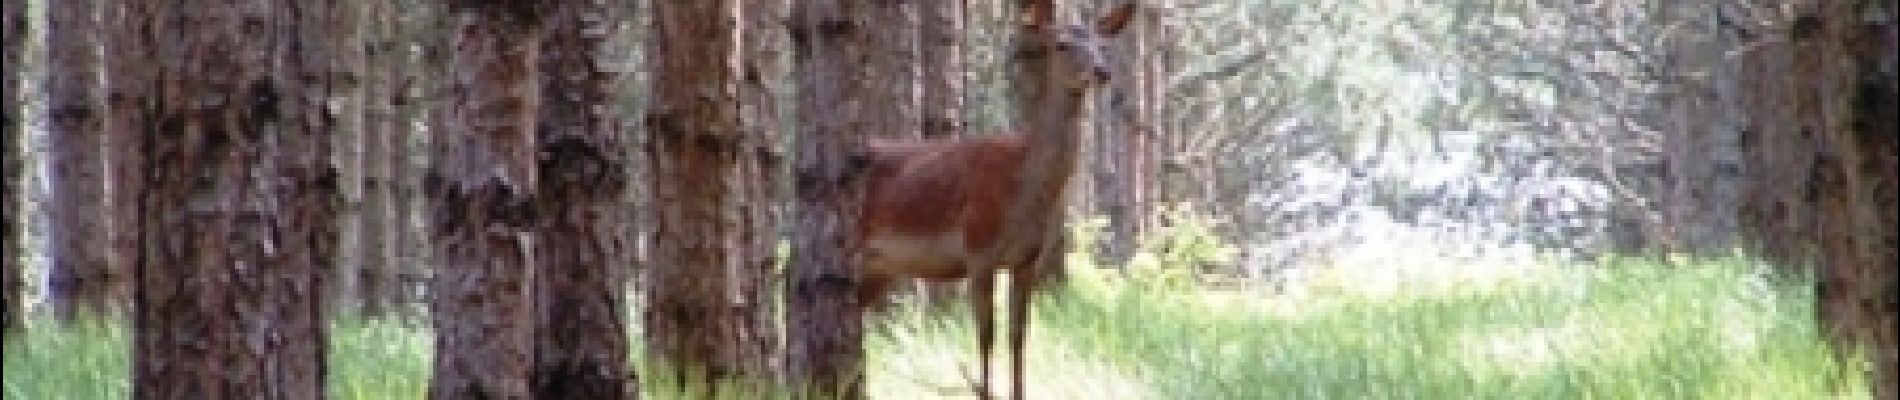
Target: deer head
1069, 56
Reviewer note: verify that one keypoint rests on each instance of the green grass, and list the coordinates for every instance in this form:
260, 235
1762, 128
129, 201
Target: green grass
1629, 329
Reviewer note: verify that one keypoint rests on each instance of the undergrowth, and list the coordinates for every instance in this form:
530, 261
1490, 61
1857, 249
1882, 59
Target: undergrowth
1633, 328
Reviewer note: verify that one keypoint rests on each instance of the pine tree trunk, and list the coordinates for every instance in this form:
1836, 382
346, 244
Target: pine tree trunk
415, 71
1120, 166
80, 278
940, 45
480, 186
581, 340
13, 266
237, 198
693, 127
757, 207
840, 96
126, 85
353, 142
382, 130
302, 183
1818, 99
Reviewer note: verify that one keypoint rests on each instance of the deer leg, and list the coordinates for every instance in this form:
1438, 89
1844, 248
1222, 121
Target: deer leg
982, 307
873, 292
1021, 281
1024, 282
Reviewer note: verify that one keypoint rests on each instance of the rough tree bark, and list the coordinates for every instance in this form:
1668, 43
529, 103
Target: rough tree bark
125, 86
237, 192
831, 41
300, 194
363, 281
353, 259
580, 335
383, 130
693, 127
419, 88
12, 266
1818, 94
756, 205
480, 186
79, 278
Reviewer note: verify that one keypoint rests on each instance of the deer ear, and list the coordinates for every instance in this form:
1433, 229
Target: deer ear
1038, 13
1116, 19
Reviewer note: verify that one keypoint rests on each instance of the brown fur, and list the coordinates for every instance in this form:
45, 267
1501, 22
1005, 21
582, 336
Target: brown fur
968, 208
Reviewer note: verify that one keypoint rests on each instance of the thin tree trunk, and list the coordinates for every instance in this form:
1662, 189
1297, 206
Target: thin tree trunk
381, 136
79, 276
353, 139
481, 187
12, 267
418, 122
1120, 151
126, 84
940, 45
581, 340
301, 191
757, 207
236, 196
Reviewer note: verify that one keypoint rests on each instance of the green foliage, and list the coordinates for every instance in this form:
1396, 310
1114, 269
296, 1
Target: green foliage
1171, 255
379, 359
1186, 238
1628, 328
83, 360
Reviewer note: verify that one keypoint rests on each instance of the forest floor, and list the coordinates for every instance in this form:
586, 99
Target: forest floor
1621, 329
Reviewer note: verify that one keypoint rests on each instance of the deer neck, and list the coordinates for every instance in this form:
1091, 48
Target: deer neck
1052, 113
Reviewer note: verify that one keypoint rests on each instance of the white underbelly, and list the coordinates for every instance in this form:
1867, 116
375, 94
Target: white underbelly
914, 255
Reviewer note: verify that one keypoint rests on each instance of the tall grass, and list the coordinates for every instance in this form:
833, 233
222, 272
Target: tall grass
1625, 329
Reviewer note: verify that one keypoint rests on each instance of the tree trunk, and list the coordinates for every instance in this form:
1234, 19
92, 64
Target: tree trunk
581, 341
417, 70
1821, 110
693, 126
838, 99
236, 197
302, 185
382, 131
480, 185
1120, 176
353, 137
79, 276
12, 267
761, 175
126, 85
940, 44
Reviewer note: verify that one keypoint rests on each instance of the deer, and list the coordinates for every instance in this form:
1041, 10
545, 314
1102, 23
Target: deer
970, 208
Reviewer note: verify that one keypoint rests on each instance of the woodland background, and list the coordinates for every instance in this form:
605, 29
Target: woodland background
237, 175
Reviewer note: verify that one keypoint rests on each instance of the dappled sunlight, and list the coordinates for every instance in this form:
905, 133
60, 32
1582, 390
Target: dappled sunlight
1419, 270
